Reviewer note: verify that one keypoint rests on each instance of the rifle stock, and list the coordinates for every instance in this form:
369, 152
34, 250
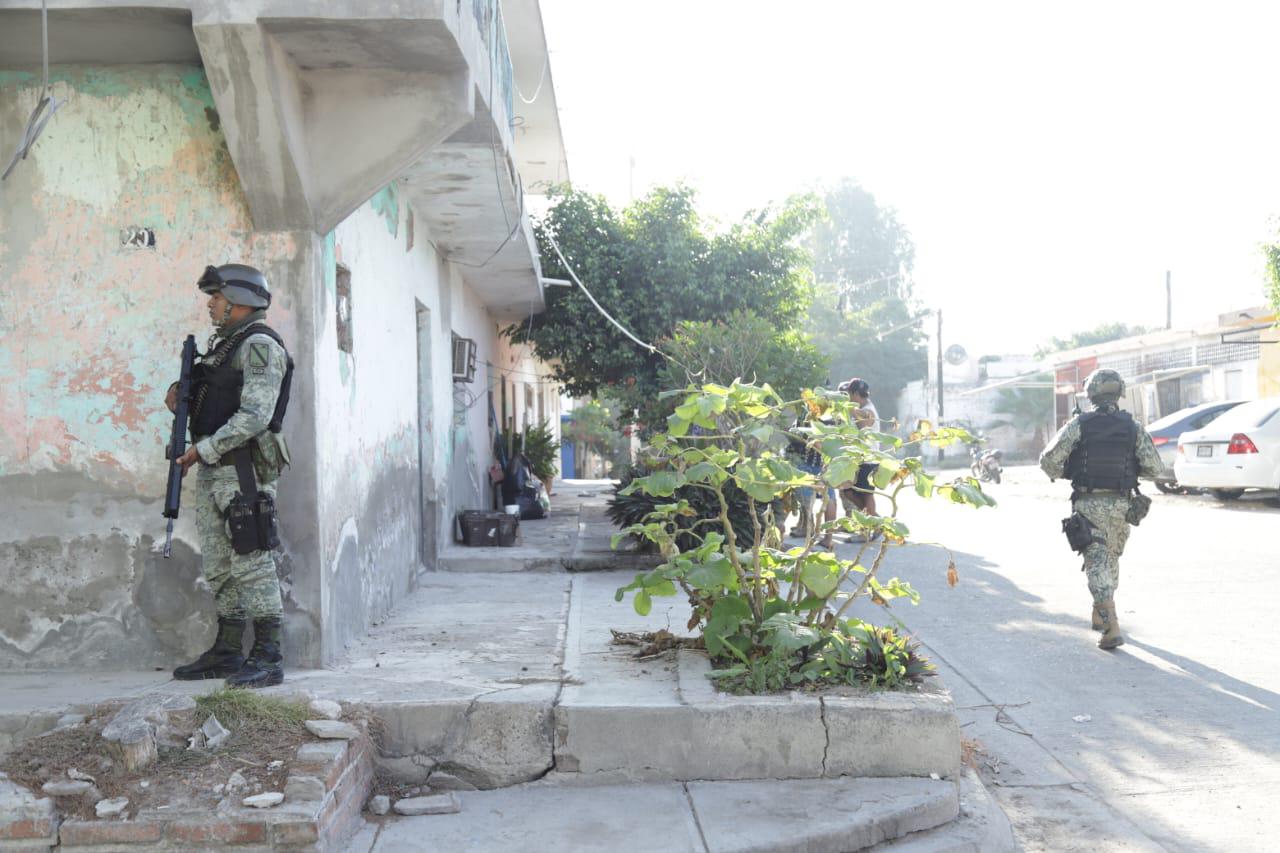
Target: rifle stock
177, 445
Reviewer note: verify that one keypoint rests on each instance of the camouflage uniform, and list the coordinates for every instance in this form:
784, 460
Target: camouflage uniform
244, 585
1105, 510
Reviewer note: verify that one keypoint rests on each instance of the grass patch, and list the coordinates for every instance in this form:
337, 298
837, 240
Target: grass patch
248, 709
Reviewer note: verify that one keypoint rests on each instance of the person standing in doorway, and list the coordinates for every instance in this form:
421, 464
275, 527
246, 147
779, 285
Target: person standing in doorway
239, 396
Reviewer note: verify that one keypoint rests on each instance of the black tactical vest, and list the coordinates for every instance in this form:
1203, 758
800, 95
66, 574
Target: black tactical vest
216, 384
1106, 456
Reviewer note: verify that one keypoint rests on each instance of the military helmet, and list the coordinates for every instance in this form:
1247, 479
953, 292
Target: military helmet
239, 283
1104, 386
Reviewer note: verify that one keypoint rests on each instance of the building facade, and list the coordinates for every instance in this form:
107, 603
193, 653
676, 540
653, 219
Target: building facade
1170, 369
370, 159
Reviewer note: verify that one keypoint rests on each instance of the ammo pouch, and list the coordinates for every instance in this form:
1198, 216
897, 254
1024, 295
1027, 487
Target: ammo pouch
252, 520
1079, 531
1139, 506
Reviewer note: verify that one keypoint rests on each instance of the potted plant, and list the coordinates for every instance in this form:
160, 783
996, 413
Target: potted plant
540, 447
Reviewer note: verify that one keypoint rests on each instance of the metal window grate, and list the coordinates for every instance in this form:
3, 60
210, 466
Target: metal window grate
1227, 353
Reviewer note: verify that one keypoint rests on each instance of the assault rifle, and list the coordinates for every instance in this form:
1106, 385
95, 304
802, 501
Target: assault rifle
178, 442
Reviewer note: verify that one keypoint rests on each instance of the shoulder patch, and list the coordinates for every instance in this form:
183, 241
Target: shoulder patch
259, 357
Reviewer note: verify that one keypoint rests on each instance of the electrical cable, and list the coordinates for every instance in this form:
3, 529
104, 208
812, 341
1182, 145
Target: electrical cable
542, 77
46, 106
501, 246
573, 275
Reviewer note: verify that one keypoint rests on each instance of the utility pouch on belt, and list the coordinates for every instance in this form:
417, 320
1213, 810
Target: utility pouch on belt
251, 514
1139, 506
1079, 531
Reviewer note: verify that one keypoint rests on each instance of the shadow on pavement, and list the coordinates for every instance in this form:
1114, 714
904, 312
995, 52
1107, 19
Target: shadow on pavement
1170, 740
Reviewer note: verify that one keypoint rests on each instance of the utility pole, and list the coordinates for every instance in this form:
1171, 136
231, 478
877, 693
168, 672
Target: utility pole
1168, 299
941, 452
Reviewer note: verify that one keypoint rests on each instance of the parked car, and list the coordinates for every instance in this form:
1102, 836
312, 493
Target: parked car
1240, 450
1166, 431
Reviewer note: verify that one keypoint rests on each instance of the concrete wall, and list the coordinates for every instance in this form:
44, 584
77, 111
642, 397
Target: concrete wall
470, 446
400, 447
90, 332
1269, 363
532, 396
386, 448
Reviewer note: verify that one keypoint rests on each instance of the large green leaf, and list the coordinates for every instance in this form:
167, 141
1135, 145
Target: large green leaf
924, 484
788, 633
727, 616
820, 574
884, 474
841, 470
713, 575
662, 484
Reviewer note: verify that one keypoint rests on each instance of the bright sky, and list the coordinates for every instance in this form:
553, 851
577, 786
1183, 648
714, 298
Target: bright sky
1051, 160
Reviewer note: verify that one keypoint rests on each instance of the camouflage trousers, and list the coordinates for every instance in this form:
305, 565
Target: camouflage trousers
1102, 559
244, 585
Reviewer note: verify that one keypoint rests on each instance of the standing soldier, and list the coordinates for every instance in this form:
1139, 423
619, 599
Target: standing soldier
1103, 452
239, 396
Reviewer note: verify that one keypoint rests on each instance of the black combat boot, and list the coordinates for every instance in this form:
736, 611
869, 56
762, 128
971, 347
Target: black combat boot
262, 668
220, 661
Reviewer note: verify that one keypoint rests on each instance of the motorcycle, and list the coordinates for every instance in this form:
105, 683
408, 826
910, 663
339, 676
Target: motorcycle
986, 464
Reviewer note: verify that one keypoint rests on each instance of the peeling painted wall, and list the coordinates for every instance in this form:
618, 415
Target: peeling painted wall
90, 332
388, 453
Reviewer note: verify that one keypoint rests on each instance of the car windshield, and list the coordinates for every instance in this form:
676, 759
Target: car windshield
1248, 415
1177, 417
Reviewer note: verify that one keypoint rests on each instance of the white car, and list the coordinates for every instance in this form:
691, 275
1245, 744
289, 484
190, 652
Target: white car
1240, 450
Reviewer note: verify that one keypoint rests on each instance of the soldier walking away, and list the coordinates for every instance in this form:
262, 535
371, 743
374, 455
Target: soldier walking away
1103, 452
240, 391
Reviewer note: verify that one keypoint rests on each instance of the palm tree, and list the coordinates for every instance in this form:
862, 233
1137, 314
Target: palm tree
1027, 410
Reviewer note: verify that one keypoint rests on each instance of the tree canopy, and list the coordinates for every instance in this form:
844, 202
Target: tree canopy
860, 316
1271, 257
745, 346
1099, 334
653, 265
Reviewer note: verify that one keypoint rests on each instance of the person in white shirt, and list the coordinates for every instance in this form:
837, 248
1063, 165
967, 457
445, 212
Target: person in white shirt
862, 495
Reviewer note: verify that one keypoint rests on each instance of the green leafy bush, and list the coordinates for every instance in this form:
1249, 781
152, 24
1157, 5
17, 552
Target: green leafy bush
628, 507
541, 449
770, 617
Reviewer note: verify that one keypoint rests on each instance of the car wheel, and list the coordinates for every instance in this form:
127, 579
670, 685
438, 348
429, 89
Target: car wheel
1170, 487
1227, 494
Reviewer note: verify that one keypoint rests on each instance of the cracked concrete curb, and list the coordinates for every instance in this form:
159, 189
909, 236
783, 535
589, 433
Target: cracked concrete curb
507, 737
709, 735
980, 827
494, 740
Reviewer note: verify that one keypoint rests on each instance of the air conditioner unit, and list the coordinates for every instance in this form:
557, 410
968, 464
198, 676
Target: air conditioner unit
464, 359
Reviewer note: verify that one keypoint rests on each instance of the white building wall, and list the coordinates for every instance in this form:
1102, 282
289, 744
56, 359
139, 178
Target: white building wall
470, 446
401, 446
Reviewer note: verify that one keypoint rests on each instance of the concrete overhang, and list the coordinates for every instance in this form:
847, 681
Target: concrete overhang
325, 102
102, 35
539, 142
468, 191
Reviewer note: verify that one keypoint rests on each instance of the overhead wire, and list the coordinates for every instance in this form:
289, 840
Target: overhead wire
542, 76
45, 107
600, 308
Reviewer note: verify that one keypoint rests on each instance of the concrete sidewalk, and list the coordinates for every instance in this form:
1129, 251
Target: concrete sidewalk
504, 686
575, 536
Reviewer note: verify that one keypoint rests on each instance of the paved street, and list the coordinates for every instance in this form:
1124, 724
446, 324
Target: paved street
1182, 748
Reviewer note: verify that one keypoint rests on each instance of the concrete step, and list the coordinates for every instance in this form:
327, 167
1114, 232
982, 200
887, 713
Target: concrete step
816, 816
980, 827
